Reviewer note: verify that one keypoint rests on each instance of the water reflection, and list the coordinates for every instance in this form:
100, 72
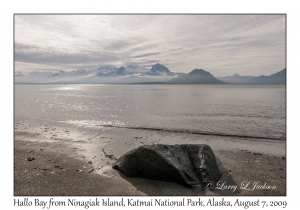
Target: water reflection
67, 88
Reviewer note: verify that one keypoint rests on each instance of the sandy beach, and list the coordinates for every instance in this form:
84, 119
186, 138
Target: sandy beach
57, 161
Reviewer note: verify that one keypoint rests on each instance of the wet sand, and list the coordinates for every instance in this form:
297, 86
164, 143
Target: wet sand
52, 161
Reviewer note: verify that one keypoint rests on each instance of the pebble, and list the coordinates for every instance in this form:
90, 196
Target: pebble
91, 170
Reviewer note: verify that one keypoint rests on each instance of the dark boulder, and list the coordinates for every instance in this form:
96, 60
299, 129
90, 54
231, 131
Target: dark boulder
191, 165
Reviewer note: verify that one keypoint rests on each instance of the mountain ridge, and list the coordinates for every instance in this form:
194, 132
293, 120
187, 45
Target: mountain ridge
276, 78
158, 73
196, 76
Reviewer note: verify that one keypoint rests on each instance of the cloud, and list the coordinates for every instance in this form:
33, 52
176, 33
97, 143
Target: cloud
40, 56
146, 55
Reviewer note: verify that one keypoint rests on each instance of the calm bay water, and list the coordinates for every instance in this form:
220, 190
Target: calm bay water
257, 111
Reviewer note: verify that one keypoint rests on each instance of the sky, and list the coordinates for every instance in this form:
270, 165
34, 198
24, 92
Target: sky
221, 44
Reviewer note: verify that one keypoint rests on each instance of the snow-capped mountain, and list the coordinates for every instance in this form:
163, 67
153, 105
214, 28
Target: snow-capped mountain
59, 73
103, 74
79, 72
160, 70
104, 70
122, 71
74, 73
137, 71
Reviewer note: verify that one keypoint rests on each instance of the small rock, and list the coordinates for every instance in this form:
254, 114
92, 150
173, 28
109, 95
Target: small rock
30, 159
91, 170
90, 162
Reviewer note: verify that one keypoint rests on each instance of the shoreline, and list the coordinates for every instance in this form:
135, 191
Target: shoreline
59, 162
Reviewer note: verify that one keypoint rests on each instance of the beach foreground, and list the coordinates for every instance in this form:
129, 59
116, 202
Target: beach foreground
44, 165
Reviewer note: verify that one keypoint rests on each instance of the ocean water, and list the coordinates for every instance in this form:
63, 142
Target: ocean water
239, 111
